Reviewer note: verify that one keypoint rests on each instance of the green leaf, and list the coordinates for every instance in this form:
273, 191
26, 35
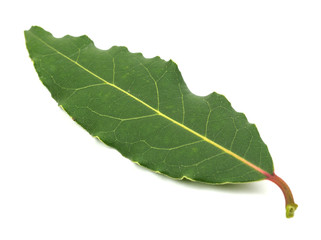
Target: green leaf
143, 108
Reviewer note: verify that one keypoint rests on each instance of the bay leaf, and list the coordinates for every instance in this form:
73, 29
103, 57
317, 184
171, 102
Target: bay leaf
143, 108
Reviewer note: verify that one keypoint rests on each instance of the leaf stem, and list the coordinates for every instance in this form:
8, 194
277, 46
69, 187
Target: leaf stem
290, 205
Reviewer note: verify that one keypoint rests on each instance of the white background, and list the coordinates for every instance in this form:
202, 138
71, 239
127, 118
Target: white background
57, 182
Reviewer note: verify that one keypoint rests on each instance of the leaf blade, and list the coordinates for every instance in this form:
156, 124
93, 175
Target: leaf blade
177, 118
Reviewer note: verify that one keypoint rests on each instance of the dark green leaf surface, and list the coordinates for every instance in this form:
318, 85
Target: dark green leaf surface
143, 108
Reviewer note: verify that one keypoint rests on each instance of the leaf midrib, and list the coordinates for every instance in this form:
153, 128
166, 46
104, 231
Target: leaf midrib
243, 160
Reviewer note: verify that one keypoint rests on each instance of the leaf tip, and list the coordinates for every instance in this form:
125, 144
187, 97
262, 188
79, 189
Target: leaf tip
290, 209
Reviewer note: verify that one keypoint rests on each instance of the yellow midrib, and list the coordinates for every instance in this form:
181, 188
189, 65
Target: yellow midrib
160, 113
